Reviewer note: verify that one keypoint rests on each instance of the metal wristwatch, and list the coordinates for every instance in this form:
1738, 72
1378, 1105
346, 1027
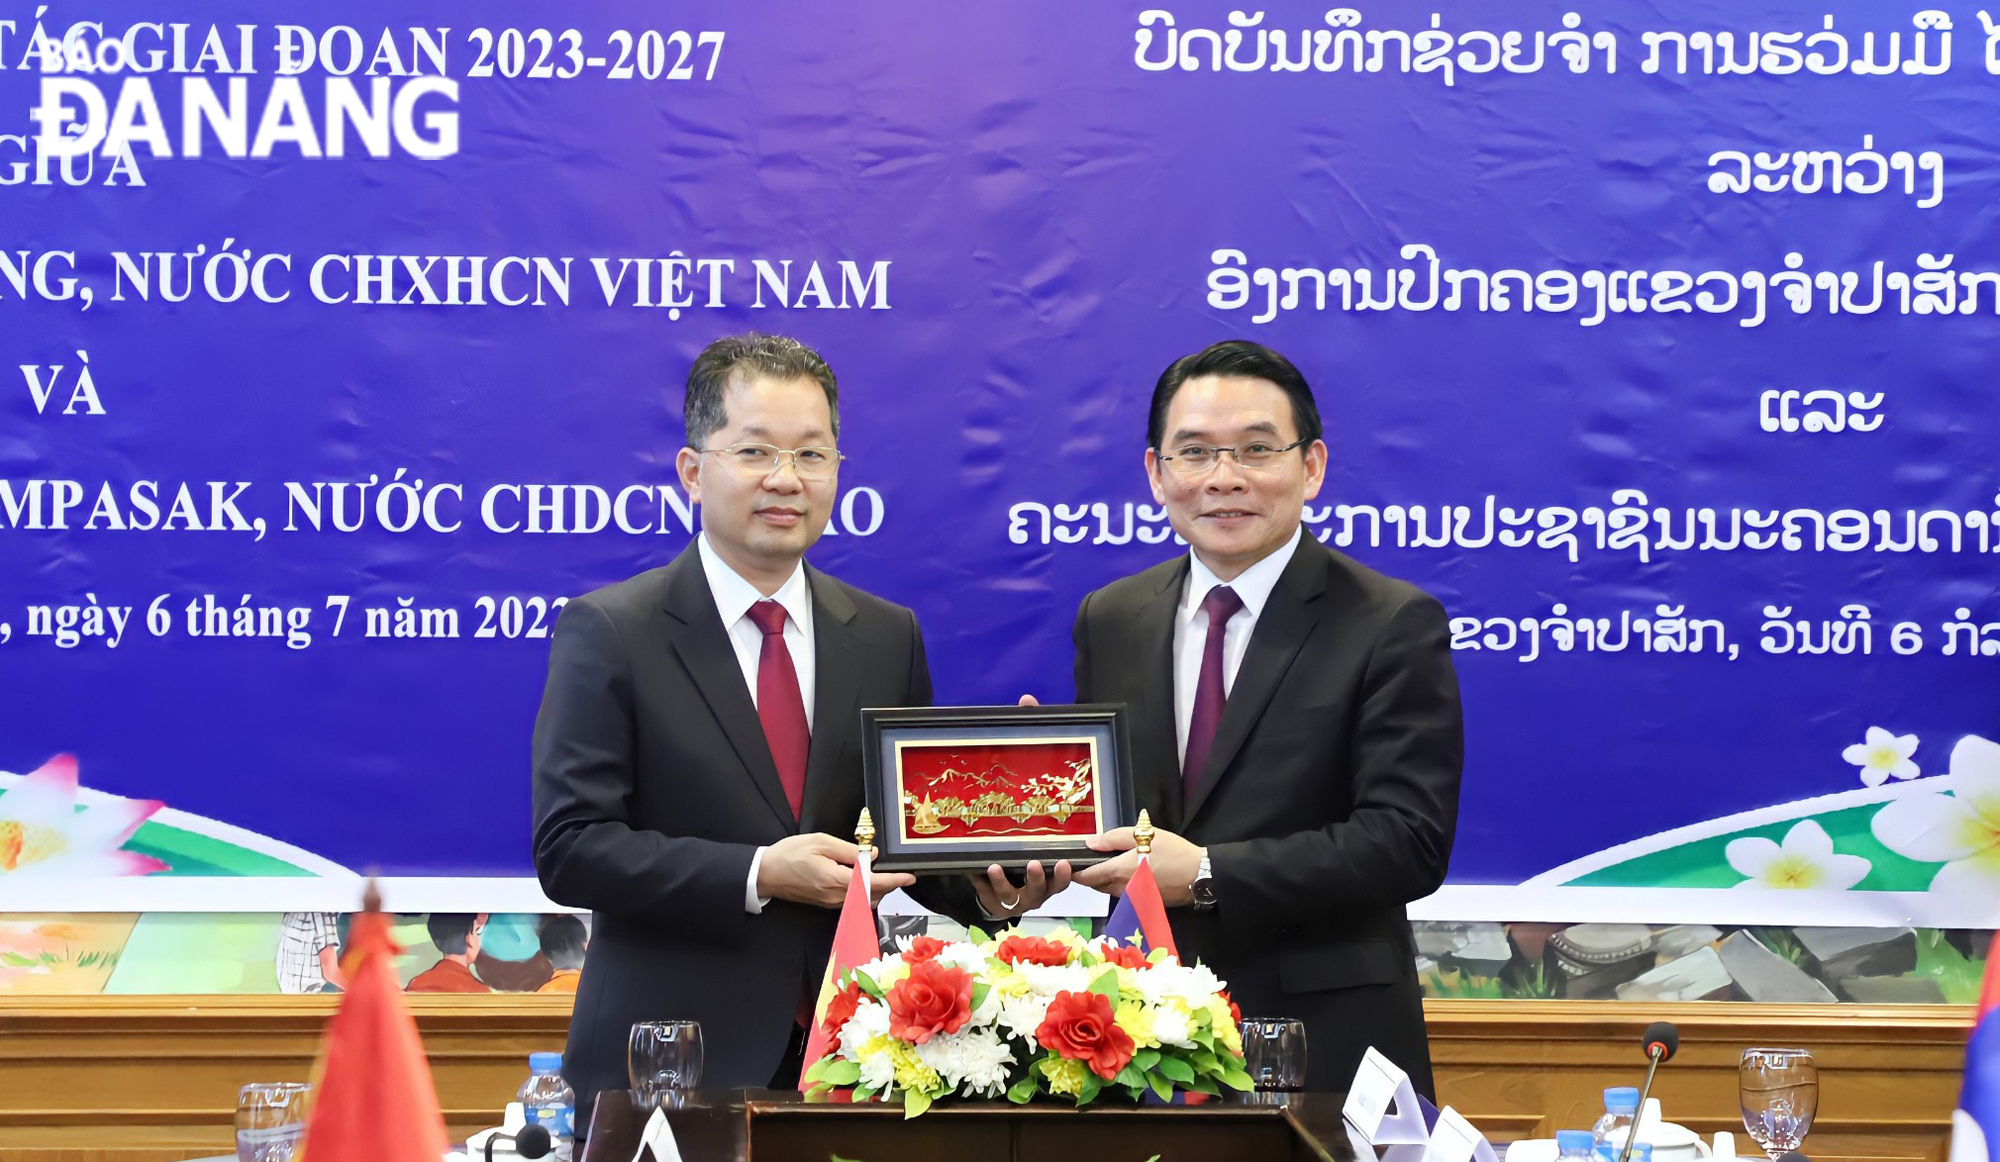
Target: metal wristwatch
1203, 887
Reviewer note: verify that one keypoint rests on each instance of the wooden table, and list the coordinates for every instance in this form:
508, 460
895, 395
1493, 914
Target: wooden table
776, 1126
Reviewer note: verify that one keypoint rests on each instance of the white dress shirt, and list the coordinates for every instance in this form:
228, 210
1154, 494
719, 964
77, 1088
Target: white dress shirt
733, 598
1254, 586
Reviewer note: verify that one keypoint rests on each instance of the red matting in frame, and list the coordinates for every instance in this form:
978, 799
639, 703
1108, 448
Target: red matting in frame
1016, 789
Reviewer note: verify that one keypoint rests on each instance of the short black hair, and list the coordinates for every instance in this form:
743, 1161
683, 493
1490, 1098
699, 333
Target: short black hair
449, 931
1238, 357
757, 356
562, 941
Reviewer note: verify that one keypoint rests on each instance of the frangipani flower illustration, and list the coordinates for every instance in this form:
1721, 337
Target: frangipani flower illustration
1960, 830
1806, 859
1882, 755
43, 833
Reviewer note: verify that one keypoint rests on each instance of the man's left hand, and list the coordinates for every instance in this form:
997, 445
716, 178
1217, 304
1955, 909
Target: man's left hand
1001, 900
1174, 859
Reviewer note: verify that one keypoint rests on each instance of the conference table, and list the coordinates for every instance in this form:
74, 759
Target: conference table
780, 1126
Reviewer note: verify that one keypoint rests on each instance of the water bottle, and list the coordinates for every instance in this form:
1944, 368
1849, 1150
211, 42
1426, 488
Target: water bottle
1621, 1110
1576, 1146
1609, 1151
546, 1100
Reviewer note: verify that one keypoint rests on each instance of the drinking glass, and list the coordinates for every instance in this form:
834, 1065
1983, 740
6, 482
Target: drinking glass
1274, 1053
270, 1120
664, 1059
1779, 1089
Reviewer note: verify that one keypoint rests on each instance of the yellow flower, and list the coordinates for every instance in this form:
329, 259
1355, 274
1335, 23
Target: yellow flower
911, 1073
1065, 1076
1226, 1033
1138, 1024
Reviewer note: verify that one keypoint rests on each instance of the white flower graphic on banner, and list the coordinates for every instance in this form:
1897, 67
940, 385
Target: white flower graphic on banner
1805, 859
43, 833
1960, 830
1883, 754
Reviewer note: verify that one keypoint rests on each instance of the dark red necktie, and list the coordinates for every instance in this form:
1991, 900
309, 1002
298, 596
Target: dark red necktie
1221, 604
780, 706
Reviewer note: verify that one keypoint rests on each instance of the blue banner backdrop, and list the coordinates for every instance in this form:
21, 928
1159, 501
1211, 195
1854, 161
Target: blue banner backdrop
1652, 340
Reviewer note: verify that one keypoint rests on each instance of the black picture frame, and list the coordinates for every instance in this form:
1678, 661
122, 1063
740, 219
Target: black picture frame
1098, 732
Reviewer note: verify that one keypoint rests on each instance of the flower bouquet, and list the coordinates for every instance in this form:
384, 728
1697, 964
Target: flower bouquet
1025, 1015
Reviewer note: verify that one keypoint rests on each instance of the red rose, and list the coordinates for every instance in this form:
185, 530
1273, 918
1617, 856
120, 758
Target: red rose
923, 948
934, 998
1082, 1027
1033, 950
840, 1008
1126, 956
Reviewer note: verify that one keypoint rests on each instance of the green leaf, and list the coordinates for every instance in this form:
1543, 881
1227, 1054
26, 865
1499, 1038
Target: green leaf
865, 1093
1236, 1079
979, 992
1130, 1075
978, 936
1174, 1069
1145, 1059
1024, 1089
1205, 1061
868, 986
1091, 1087
838, 1071
915, 1102
1106, 985
1161, 1087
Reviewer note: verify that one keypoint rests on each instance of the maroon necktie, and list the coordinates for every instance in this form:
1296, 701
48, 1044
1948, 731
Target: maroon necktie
1221, 604
780, 707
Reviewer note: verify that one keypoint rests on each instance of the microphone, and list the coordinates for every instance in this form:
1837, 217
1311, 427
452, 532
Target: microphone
530, 1141
1660, 1041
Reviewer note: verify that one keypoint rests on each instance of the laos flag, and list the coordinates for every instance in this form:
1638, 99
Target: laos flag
1975, 1125
1141, 912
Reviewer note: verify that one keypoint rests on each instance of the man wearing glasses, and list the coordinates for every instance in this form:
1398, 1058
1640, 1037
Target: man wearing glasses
697, 755
1295, 722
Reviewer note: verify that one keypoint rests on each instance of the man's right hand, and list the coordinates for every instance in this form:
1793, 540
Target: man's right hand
814, 869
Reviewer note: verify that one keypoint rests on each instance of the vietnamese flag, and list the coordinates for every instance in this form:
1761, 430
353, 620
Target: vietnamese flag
372, 1099
855, 943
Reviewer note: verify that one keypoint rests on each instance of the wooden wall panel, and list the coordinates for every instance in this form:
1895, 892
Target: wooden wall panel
153, 1079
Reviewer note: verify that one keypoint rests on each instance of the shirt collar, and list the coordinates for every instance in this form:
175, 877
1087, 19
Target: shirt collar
1253, 585
734, 596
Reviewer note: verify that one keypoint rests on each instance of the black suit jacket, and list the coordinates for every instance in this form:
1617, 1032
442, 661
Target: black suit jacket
1330, 797
653, 788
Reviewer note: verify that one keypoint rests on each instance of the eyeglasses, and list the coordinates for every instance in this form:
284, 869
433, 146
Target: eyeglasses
1195, 459
763, 459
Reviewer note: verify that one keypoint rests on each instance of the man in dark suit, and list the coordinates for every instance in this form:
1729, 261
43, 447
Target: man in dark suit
1295, 722
697, 755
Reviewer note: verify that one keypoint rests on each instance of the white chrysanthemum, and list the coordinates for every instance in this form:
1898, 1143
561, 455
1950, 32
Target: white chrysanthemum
1046, 980
988, 1010
966, 955
1170, 982
870, 1020
878, 1066
1172, 1026
977, 1059
1021, 1016
885, 971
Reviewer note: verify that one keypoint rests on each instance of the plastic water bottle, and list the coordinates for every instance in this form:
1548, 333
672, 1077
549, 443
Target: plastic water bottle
1621, 1110
546, 1100
1609, 1151
1576, 1146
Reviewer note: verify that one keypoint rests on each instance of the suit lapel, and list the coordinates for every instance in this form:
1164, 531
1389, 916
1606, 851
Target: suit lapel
1155, 739
1289, 618
836, 701
703, 646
